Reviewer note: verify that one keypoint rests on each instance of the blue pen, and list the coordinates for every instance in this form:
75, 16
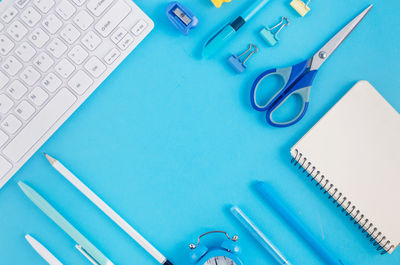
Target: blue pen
220, 39
259, 236
273, 198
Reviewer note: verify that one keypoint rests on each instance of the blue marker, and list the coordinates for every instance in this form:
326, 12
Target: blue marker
273, 198
221, 38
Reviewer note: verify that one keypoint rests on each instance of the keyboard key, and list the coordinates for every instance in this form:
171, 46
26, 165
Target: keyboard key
51, 82
70, 34
39, 37
97, 7
112, 56
3, 80
11, 124
6, 103
44, 5
79, 2
30, 16
95, 67
65, 9
10, 13
118, 35
126, 42
3, 139
21, 3
38, 96
52, 23
25, 110
25, 52
17, 89
83, 20
57, 47
39, 125
43, 61
91, 40
17, 31
114, 16
6, 45
12, 65
65, 68
5, 166
80, 82
139, 27
30, 76
78, 55
1, 27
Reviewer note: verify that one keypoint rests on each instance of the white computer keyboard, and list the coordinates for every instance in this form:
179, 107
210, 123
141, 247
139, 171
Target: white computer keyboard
53, 55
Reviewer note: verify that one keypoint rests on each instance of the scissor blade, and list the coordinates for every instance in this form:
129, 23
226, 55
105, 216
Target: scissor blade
326, 51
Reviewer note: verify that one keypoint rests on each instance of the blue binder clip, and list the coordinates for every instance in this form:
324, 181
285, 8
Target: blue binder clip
269, 36
236, 60
181, 17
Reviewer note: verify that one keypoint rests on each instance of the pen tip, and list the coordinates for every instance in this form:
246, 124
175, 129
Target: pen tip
22, 186
51, 159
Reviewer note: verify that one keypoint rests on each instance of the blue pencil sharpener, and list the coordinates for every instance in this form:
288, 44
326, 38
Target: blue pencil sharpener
181, 17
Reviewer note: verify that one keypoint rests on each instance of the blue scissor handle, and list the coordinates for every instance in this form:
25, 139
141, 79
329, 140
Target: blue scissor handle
253, 93
294, 84
302, 88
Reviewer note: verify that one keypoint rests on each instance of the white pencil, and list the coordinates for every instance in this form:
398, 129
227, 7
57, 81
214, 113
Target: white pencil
42, 251
108, 211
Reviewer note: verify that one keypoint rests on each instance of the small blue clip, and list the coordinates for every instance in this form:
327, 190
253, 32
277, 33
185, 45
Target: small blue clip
237, 63
181, 17
269, 36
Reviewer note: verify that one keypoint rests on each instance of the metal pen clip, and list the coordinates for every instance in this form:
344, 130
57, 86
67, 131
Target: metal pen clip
87, 255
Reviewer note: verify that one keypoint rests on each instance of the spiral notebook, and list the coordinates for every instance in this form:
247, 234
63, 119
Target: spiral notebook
353, 152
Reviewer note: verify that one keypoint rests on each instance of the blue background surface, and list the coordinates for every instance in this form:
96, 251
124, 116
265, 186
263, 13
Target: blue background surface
170, 141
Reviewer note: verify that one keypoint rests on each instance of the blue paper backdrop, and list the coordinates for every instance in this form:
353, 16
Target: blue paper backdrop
170, 140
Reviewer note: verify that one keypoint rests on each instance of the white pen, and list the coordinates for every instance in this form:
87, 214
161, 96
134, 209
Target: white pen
42, 251
108, 211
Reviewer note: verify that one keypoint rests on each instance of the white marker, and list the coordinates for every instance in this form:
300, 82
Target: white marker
108, 211
42, 251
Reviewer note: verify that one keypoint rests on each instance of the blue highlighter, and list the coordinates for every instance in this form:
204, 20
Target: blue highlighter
222, 37
276, 202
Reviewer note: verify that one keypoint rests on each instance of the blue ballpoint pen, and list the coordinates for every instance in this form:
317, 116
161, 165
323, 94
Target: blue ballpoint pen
276, 202
218, 40
259, 236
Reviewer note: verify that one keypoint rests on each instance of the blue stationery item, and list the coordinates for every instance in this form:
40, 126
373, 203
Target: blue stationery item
276, 202
299, 78
272, 37
238, 63
181, 17
223, 36
259, 236
83, 245
222, 254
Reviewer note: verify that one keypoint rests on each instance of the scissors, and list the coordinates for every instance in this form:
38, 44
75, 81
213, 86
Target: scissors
299, 78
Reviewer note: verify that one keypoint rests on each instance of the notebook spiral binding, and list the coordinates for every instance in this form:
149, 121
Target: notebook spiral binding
351, 210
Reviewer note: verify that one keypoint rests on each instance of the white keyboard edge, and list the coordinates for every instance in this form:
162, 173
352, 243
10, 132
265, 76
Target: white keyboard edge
18, 165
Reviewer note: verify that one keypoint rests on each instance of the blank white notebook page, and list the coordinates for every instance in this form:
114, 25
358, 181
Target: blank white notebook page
356, 146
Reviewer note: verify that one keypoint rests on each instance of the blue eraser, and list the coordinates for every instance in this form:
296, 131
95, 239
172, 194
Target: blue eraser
181, 17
